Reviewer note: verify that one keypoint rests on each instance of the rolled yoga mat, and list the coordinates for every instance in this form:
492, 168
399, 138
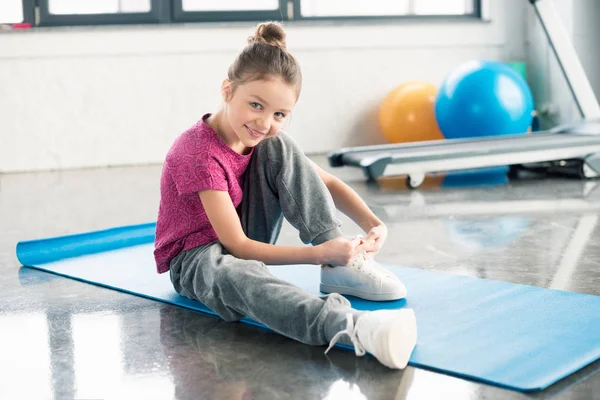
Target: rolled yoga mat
515, 336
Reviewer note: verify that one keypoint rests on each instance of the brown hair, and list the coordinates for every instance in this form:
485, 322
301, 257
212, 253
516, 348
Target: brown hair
266, 57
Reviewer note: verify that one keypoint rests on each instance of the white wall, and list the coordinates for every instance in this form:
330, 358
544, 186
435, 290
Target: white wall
580, 19
105, 96
586, 32
550, 91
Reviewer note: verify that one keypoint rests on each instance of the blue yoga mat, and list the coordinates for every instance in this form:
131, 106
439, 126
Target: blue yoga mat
515, 336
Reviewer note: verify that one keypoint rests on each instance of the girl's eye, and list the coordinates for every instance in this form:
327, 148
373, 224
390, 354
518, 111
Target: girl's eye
280, 115
256, 105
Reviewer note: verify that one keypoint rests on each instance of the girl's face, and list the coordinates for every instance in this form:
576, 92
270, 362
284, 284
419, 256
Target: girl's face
258, 109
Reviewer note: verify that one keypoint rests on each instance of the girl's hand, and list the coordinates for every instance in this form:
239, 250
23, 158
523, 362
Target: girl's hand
339, 251
375, 239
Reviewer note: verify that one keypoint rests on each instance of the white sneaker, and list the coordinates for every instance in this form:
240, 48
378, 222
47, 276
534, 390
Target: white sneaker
363, 278
389, 335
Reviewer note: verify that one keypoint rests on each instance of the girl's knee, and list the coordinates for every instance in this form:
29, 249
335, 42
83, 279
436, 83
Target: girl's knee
278, 146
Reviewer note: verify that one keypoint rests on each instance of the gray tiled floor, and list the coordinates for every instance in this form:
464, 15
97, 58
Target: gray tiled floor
64, 339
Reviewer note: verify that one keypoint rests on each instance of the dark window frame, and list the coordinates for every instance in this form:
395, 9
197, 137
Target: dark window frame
29, 11
171, 12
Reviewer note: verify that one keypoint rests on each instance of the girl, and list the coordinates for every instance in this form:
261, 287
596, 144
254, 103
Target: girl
227, 183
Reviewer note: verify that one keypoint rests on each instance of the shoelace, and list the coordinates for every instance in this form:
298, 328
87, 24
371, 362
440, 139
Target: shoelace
350, 331
359, 262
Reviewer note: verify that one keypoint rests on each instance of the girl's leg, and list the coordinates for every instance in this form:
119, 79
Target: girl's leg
280, 181
234, 288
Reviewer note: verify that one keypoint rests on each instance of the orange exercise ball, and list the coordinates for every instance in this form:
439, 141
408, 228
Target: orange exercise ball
407, 114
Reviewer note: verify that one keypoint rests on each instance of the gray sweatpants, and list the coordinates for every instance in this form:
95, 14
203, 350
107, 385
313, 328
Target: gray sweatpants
279, 182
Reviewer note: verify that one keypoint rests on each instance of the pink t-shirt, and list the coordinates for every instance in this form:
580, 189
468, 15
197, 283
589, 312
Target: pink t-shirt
198, 160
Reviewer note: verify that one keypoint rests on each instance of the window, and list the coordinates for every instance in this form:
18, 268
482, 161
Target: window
96, 12
99, 12
229, 10
66, 7
339, 8
16, 11
229, 5
384, 8
447, 7
11, 11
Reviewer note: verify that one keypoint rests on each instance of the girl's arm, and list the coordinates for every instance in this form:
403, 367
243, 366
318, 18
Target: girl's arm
226, 223
348, 201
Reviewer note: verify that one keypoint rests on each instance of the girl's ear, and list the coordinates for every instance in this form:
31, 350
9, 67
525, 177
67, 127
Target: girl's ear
226, 90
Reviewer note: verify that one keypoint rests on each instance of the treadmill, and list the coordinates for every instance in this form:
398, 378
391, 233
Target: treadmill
571, 149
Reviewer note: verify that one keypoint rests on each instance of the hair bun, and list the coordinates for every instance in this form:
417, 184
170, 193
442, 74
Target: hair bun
271, 33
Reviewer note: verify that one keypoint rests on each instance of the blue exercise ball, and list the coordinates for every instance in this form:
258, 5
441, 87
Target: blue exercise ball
483, 98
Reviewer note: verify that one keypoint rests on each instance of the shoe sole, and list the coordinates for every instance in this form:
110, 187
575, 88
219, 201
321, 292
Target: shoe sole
363, 295
403, 338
